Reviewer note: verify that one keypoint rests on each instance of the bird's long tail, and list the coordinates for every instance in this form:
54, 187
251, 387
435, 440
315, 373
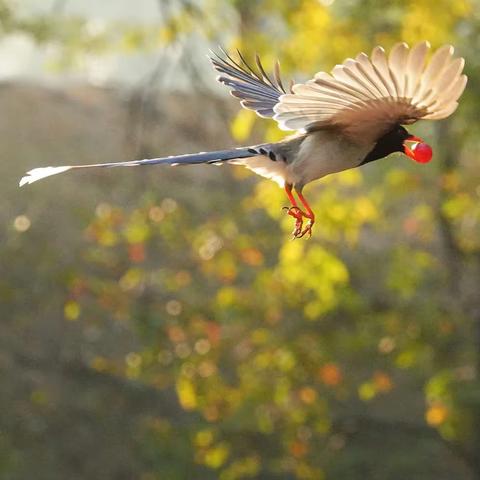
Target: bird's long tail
190, 159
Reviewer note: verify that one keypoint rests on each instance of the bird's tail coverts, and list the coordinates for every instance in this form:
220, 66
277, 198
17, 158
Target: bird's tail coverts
189, 159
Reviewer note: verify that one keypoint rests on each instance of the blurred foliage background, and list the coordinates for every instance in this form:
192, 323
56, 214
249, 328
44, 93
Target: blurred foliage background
160, 323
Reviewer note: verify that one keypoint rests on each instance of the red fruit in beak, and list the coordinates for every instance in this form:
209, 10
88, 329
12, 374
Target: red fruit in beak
422, 152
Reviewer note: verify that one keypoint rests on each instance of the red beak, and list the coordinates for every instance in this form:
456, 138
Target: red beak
408, 151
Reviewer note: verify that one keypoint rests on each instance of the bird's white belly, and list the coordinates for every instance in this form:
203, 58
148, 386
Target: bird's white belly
323, 153
264, 166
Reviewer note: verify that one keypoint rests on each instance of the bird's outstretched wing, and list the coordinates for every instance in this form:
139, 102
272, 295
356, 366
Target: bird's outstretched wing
366, 96
256, 89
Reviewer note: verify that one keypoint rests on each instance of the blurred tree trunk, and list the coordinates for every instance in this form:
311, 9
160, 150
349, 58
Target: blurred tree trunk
461, 300
476, 406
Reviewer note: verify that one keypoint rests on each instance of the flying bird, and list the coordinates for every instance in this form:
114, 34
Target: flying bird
343, 119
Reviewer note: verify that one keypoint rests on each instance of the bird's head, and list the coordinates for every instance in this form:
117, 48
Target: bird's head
411, 145
400, 140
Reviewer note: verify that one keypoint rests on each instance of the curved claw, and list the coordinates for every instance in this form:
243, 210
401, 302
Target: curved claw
297, 231
298, 215
306, 231
294, 212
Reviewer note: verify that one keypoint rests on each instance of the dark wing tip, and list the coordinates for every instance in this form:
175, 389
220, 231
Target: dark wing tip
257, 90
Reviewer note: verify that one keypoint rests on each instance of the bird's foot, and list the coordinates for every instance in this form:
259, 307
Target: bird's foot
297, 231
307, 230
299, 215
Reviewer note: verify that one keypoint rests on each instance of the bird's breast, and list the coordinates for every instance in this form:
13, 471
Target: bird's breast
322, 153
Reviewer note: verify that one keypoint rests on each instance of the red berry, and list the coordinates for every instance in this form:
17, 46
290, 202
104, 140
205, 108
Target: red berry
423, 152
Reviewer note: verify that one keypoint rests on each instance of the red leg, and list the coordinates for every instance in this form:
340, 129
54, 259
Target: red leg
295, 212
309, 214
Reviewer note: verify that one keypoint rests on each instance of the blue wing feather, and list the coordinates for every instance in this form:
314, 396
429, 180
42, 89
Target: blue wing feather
255, 89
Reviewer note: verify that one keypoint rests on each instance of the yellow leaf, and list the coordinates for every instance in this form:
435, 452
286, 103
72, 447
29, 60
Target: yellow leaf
226, 297
71, 310
366, 391
405, 359
246, 467
137, 231
131, 279
39, 397
107, 237
242, 125
187, 395
165, 35
204, 438
260, 336
436, 414
215, 457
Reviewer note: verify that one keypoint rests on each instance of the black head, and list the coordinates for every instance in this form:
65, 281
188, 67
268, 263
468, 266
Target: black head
393, 141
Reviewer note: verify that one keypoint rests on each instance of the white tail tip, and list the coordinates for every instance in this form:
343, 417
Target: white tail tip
39, 173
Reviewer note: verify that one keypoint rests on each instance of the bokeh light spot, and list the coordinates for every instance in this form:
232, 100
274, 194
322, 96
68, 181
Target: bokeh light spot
21, 223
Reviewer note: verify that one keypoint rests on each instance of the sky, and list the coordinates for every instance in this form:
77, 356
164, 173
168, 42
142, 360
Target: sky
21, 58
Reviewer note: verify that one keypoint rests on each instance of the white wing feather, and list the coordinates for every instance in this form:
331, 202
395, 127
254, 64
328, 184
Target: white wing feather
366, 96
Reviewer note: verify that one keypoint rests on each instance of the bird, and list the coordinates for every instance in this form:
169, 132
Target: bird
354, 115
